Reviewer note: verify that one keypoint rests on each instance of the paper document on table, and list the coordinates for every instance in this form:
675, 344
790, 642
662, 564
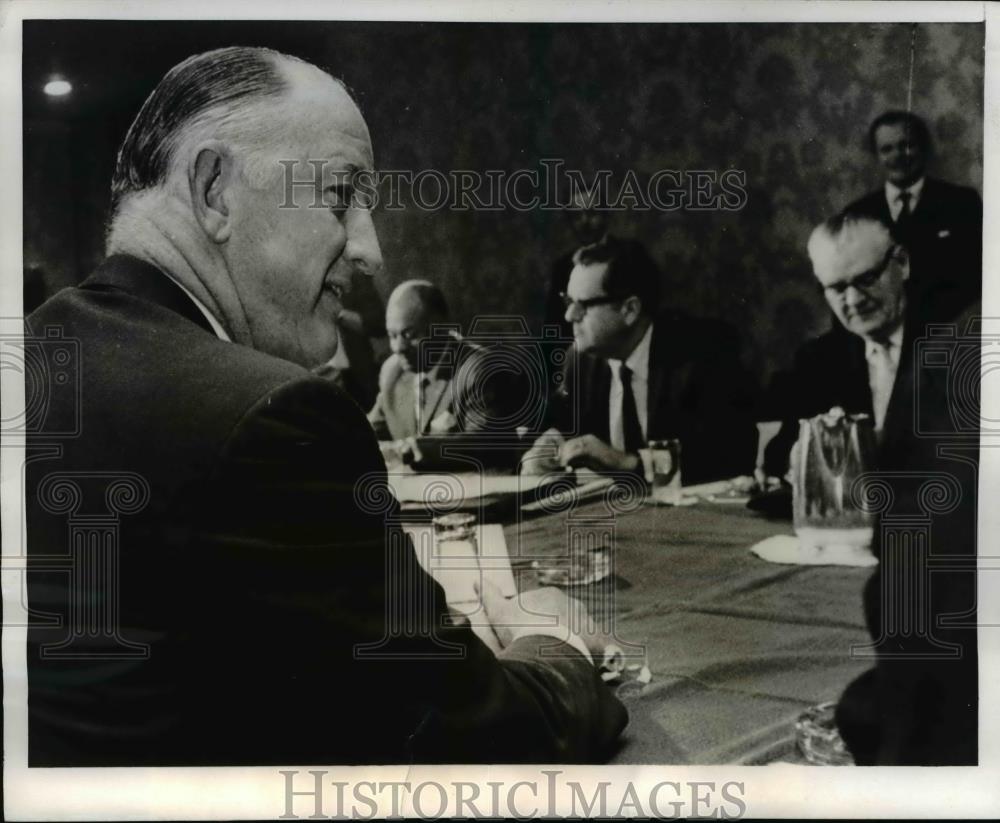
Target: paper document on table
429, 488
459, 570
785, 548
588, 484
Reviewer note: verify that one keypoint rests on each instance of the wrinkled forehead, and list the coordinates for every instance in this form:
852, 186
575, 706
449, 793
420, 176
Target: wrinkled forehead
856, 249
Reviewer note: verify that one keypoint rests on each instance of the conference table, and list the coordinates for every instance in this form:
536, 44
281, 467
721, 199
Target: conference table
737, 647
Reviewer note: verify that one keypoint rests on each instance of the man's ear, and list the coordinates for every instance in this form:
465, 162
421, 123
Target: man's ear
632, 308
209, 176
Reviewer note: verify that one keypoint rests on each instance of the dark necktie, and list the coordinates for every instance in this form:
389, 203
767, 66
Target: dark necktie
903, 218
630, 416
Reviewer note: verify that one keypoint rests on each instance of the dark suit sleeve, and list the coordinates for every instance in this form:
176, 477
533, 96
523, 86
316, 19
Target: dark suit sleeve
337, 630
813, 385
719, 436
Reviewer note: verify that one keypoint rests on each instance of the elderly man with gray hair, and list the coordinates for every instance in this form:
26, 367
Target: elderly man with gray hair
246, 609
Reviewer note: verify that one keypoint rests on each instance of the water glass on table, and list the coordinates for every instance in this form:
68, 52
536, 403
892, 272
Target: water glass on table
455, 534
587, 559
661, 463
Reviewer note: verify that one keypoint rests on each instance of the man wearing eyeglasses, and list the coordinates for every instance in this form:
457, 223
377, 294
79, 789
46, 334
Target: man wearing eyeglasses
636, 375
918, 704
863, 272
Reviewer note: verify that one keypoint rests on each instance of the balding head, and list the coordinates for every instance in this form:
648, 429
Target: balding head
242, 96
414, 306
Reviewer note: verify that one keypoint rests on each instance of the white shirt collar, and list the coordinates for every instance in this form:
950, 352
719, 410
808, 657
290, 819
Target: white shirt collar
894, 344
215, 324
638, 360
892, 192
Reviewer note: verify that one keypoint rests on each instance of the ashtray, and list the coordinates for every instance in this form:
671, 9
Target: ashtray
818, 738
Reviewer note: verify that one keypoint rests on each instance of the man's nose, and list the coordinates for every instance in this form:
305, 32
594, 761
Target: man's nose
853, 296
398, 344
570, 314
362, 248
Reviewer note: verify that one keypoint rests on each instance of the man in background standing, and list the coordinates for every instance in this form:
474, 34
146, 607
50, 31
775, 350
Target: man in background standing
940, 224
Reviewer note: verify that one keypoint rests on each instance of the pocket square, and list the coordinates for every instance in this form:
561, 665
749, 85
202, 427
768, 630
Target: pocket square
944, 233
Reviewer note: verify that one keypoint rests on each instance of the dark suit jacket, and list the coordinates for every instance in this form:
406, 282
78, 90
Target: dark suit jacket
250, 572
832, 370
919, 704
698, 392
944, 238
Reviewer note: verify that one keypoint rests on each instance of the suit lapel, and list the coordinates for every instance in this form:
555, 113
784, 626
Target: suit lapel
899, 414
595, 386
658, 376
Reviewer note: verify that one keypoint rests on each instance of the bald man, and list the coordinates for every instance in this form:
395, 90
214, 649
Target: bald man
434, 382
416, 396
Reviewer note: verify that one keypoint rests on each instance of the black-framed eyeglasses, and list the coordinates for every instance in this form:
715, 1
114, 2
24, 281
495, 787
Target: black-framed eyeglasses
865, 280
579, 307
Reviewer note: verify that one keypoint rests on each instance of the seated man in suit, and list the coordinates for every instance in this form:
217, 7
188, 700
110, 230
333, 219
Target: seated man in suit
257, 599
416, 394
436, 387
635, 376
940, 224
863, 272
917, 706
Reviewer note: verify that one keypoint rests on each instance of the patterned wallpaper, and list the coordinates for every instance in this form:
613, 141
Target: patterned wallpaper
788, 104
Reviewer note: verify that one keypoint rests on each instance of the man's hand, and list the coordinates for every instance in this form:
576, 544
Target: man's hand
591, 452
546, 611
543, 456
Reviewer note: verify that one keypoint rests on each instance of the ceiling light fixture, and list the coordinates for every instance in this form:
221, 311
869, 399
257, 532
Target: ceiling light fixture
57, 87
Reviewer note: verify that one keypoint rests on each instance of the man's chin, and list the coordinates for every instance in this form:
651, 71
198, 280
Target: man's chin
869, 327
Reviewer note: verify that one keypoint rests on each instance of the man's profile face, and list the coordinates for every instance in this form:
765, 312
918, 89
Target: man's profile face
293, 250
866, 258
899, 152
600, 328
407, 323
